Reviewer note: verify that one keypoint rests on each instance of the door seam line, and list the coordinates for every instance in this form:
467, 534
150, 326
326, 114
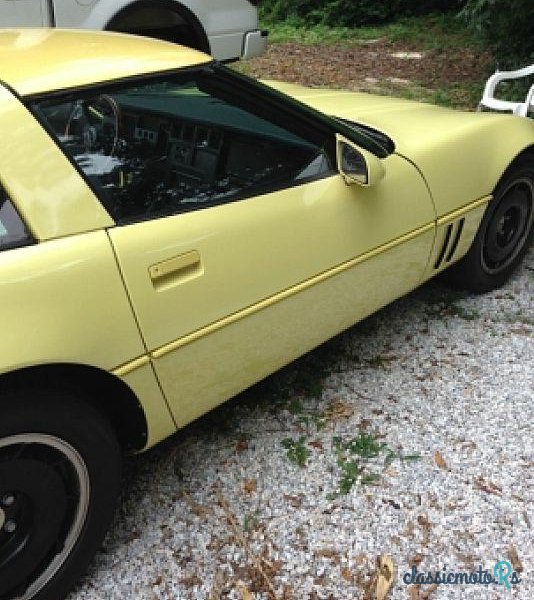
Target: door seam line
284, 294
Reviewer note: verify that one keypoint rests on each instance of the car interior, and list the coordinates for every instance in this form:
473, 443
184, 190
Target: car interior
169, 146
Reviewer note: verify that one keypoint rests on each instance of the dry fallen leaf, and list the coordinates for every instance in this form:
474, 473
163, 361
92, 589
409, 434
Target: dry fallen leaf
326, 553
288, 593
295, 501
426, 526
424, 522
250, 485
241, 445
368, 586
440, 461
245, 594
386, 576
417, 559
346, 574
522, 330
361, 559
413, 592
416, 592
217, 585
467, 561
191, 581
424, 595
409, 530
514, 558
196, 508
338, 410
469, 446
487, 486
256, 566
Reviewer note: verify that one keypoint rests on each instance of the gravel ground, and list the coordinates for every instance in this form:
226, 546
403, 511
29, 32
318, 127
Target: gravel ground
439, 385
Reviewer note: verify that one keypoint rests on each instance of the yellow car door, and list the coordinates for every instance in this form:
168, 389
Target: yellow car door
240, 244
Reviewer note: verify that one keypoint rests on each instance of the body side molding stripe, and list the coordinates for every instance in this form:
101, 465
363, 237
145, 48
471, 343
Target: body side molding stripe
195, 335
452, 216
128, 367
131, 366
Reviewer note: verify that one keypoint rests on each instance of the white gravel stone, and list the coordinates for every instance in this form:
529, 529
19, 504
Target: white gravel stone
437, 371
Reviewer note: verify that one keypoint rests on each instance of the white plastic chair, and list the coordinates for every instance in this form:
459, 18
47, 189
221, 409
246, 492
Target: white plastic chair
517, 108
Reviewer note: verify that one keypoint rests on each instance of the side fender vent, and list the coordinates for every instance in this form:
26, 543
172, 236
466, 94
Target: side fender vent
453, 233
454, 244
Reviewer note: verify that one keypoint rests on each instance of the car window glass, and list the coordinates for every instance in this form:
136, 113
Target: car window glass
13, 232
176, 144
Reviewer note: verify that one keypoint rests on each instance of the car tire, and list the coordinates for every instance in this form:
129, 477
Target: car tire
504, 235
60, 475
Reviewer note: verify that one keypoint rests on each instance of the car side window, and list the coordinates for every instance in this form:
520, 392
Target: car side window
13, 232
179, 143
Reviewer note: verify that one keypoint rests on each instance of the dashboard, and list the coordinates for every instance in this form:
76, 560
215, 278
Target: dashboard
146, 156
168, 164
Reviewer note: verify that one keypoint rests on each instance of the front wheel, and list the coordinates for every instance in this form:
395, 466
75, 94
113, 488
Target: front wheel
59, 481
504, 234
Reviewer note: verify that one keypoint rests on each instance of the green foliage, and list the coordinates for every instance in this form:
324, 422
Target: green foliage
506, 26
350, 472
295, 406
363, 445
351, 12
352, 457
297, 452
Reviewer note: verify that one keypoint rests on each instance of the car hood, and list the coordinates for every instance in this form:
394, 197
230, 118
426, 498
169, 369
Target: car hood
413, 126
461, 155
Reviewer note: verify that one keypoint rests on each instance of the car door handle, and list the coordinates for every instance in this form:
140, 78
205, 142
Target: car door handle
176, 270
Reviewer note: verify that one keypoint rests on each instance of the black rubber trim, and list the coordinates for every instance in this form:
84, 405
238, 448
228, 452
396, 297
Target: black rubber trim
456, 239
26, 238
252, 91
378, 136
52, 13
448, 234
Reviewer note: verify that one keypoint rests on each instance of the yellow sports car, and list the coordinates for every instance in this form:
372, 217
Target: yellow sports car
171, 232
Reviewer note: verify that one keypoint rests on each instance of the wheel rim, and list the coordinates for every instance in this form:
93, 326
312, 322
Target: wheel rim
44, 499
508, 229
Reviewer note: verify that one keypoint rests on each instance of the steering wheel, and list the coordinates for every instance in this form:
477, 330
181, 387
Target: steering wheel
96, 123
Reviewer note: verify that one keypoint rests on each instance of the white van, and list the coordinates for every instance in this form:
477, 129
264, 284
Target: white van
226, 29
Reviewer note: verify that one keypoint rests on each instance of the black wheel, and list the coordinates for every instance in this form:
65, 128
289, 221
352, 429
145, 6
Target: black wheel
59, 481
504, 234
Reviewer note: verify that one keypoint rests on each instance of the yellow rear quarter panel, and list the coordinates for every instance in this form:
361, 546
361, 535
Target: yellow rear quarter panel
63, 301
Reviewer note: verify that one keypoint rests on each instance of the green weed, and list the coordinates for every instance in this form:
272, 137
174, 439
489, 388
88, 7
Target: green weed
431, 32
296, 451
363, 445
352, 459
295, 407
